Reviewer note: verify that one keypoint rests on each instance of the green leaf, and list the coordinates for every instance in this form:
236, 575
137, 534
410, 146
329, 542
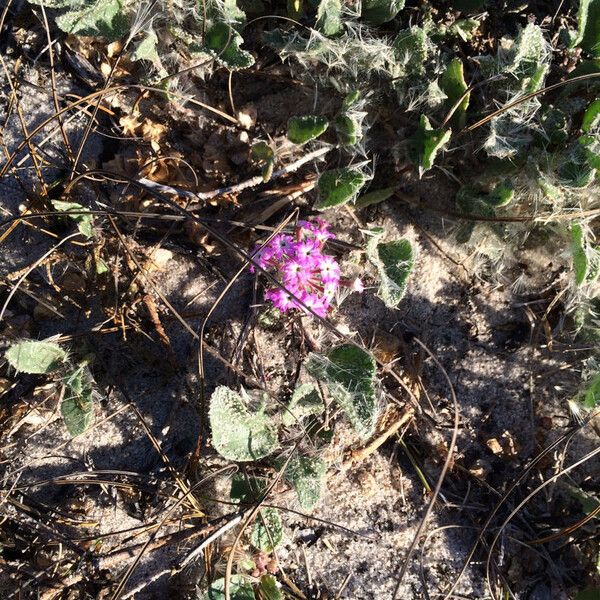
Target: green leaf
591, 117
501, 195
146, 48
579, 254
410, 48
530, 57
263, 153
306, 475
464, 28
303, 129
349, 373
31, 356
84, 221
376, 12
591, 394
375, 197
56, 3
104, 18
237, 434
394, 261
329, 17
305, 401
232, 13
77, 407
339, 186
348, 129
246, 489
427, 142
239, 589
224, 42
267, 531
350, 99
588, 27
269, 588
453, 84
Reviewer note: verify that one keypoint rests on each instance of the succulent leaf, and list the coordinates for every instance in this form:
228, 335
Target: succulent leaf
240, 589
77, 407
305, 401
224, 42
84, 221
304, 129
306, 475
427, 142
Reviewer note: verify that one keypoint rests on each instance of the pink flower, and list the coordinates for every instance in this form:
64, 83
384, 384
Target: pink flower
330, 269
358, 286
307, 273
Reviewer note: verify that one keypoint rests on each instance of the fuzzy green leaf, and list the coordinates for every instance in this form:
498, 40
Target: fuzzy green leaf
240, 589
348, 129
56, 3
453, 84
394, 261
588, 27
31, 356
224, 42
104, 18
329, 17
591, 117
146, 48
410, 48
339, 186
267, 531
305, 401
303, 129
84, 221
427, 142
245, 490
270, 588
501, 195
77, 407
580, 260
375, 197
591, 395
376, 12
349, 373
237, 434
350, 99
306, 475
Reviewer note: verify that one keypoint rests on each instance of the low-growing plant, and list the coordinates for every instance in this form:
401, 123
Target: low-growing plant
48, 358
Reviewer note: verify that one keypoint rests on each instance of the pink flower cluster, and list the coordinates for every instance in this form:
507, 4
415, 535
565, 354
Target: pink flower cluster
310, 275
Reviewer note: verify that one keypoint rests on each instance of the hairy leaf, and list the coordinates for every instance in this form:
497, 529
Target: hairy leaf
237, 434
349, 373
394, 261
31, 356
305, 401
329, 17
427, 142
339, 186
348, 129
104, 18
303, 129
375, 197
454, 86
306, 475
588, 27
224, 42
239, 589
580, 260
77, 407
270, 589
267, 531
84, 221
376, 12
